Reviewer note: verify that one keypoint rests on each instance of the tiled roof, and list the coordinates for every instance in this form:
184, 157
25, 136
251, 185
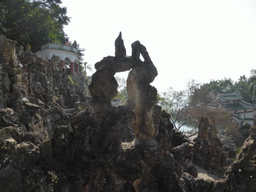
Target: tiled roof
230, 96
242, 105
236, 102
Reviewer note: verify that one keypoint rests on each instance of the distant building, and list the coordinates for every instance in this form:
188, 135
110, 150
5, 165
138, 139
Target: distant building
240, 109
67, 54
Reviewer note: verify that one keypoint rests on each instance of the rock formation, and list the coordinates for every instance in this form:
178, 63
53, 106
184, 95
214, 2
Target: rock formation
207, 129
207, 150
241, 175
33, 95
45, 148
141, 95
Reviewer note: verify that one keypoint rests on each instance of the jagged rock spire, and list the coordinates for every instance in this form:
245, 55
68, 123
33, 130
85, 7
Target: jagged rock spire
119, 45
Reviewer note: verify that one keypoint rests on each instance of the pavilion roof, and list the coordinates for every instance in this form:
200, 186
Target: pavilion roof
241, 105
229, 96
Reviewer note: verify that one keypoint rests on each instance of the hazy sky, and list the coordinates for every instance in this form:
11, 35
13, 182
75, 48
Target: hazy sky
186, 39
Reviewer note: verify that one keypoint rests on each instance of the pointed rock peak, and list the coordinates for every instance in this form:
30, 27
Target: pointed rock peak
119, 45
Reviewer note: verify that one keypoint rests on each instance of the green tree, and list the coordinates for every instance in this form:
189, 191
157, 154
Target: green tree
122, 91
222, 86
87, 67
252, 86
122, 95
242, 89
172, 100
35, 22
201, 95
84, 68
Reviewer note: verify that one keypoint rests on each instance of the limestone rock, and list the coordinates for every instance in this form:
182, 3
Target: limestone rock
190, 182
241, 175
184, 156
25, 155
10, 180
207, 129
44, 147
13, 131
147, 114
6, 83
2, 100
119, 45
7, 142
7, 47
7, 117
116, 64
32, 99
7, 147
46, 156
102, 89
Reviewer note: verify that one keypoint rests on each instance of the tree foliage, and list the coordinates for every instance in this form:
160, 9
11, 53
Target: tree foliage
171, 100
204, 94
201, 100
252, 85
33, 21
122, 89
86, 67
174, 103
243, 89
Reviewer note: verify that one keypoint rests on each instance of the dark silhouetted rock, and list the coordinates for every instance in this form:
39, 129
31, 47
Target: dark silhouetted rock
208, 152
241, 175
10, 180
103, 89
7, 117
119, 46
53, 139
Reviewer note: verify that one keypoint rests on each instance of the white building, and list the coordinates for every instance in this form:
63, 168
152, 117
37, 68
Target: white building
65, 52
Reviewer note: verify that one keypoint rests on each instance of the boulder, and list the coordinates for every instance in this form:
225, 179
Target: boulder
6, 83
25, 155
207, 129
7, 117
103, 89
208, 151
7, 143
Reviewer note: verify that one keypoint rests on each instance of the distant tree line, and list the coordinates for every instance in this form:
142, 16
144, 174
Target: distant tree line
203, 94
36, 22
188, 106
200, 95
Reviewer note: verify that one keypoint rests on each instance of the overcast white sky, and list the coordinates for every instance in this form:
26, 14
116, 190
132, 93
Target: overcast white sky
186, 39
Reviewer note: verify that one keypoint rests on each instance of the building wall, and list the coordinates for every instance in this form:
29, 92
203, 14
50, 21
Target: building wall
48, 53
62, 51
249, 116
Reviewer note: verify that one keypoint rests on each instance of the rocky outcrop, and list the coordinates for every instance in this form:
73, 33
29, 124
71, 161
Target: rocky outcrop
44, 148
241, 175
33, 97
208, 152
141, 95
207, 129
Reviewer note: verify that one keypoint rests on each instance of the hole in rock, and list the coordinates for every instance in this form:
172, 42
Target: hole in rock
122, 96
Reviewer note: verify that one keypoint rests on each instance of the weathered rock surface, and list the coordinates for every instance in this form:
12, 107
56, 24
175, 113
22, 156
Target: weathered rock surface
241, 175
45, 147
141, 95
208, 152
32, 100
